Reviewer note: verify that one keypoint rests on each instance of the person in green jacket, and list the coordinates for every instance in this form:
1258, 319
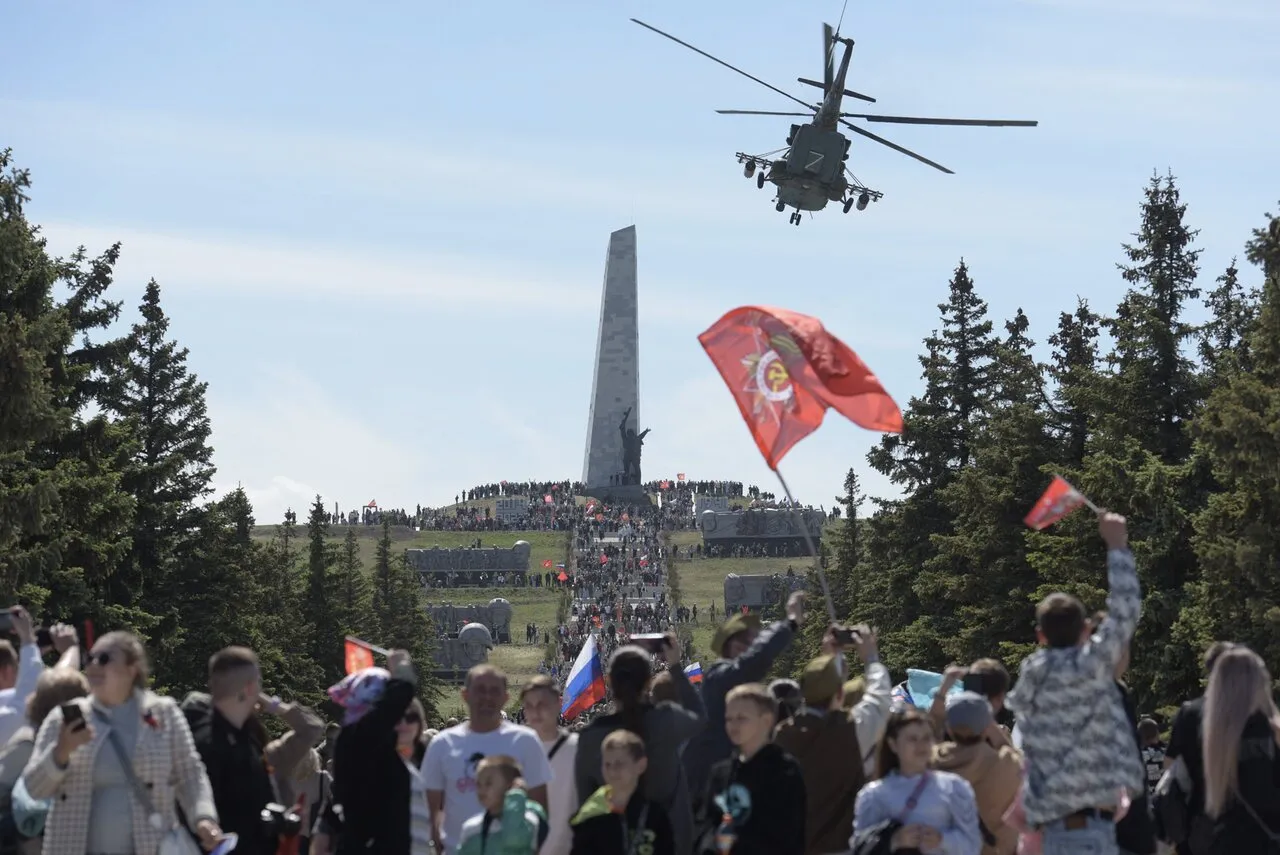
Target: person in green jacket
512, 824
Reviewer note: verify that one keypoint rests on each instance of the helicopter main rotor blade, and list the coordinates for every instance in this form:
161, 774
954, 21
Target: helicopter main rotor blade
918, 120
908, 152
758, 113
725, 64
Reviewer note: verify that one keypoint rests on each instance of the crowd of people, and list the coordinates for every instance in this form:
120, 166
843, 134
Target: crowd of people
95, 762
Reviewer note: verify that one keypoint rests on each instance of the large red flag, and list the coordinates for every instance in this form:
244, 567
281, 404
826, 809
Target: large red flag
358, 657
1059, 500
785, 370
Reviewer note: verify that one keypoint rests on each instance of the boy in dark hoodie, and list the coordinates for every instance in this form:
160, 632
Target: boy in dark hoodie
617, 819
755, 803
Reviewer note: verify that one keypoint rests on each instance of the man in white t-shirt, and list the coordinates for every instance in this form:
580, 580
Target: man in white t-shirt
449, 768
541, 702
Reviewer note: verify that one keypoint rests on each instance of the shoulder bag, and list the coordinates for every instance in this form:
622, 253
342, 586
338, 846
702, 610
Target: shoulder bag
878, 839
176, 840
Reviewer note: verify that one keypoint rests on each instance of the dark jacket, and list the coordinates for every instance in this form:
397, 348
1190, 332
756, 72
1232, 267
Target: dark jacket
371, 780
597, 830
1135, 833
767, 801
667, 726
238, 772
1258, 776
712, 745
825, 744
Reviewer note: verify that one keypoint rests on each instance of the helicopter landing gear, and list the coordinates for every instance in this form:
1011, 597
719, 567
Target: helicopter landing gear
795, 218
780, 207
760, 180
750, 169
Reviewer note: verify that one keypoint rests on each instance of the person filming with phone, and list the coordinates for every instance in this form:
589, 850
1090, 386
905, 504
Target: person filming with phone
117, 763
21, 669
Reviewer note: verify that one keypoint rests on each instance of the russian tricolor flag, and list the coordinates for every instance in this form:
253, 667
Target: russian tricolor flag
694, 672
585, 686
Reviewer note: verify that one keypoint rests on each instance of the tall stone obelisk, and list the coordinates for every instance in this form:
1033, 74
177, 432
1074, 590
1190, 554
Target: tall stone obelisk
615, 389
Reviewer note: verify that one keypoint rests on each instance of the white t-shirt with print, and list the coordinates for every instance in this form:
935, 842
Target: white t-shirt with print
454, 753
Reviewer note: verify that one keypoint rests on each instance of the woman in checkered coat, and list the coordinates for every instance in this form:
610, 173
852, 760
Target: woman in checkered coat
96, 808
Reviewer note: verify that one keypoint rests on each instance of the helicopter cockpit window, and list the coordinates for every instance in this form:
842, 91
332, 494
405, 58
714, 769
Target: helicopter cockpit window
813, 162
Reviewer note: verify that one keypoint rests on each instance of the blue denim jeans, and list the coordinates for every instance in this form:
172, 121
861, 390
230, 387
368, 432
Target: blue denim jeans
1097, 837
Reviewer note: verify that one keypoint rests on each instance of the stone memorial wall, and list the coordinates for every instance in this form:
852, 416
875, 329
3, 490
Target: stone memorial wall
482, 560
758, 591
760, 524
702, 504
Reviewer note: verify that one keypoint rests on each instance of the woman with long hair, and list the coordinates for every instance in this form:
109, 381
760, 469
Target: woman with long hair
936, 810
664, 727
1241, 742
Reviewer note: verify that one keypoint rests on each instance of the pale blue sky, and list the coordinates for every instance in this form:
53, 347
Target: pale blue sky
381, 228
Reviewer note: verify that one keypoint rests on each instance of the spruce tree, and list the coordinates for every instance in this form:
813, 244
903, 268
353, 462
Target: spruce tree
941, 427
383, 578
32, 335
1224, 340
352, 588
981, 578
1236, 540
323, 607
406, 624
169, 474
1074, 372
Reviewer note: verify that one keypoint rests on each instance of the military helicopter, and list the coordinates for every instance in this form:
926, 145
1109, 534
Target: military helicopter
811, 171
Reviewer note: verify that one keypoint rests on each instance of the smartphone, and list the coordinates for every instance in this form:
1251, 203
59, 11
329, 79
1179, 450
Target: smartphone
72, 715
6, 620
44, 638
974, 683
847, 636
654, 642
226, 844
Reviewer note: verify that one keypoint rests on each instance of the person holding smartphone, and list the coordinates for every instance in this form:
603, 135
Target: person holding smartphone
20, 670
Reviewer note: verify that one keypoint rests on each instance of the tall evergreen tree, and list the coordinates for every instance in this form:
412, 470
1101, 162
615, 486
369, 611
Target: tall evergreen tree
169, 476
352, 588
324, 609
31, 335
406, 624
981, 571
1238, 590
1224, 340
383, 578
1074, 371
941, 427
1158, 390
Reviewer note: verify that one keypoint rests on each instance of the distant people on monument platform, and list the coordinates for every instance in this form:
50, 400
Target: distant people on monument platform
497, 579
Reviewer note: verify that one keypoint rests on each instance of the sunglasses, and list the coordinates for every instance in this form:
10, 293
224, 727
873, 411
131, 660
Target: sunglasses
411, 718
102, 659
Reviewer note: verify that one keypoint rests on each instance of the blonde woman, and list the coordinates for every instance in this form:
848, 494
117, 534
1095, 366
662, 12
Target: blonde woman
78, 763
1241, 741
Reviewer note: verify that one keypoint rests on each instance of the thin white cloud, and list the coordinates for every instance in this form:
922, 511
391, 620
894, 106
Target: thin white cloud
274, 432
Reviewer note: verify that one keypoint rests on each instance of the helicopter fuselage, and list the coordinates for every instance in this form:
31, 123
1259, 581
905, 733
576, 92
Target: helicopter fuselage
812, 174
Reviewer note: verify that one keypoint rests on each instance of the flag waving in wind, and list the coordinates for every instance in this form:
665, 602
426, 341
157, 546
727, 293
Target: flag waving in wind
1059, 500
785, 371
585, 686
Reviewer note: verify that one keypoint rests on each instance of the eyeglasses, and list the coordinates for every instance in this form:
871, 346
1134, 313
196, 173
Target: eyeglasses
411, 718
102, 659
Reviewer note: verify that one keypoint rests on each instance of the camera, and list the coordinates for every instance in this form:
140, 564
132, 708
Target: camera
279, 821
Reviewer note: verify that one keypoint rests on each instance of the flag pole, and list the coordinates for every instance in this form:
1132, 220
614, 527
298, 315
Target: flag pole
808, 542
367, 646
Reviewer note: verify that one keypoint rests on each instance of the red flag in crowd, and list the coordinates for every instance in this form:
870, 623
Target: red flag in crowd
644, 562
1059, 500
563, 577
679, 476
599, 517
785, 371
547, 499
604, 559
358, 656
373, 503
546, 562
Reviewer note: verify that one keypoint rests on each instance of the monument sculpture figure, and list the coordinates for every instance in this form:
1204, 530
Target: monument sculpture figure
632, 446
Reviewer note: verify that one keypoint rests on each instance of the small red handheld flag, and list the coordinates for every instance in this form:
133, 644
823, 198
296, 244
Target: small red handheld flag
1059, 500
358, 656
785, 371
